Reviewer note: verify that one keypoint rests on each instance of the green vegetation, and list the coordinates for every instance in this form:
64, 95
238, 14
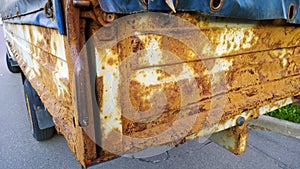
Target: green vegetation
289, 112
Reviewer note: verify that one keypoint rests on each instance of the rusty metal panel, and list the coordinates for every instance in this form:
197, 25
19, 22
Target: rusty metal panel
41, 54
247, 115
152, 88
84, 147
140, 98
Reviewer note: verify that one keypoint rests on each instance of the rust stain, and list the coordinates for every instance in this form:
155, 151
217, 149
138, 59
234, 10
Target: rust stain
46, 60
141, 81
233, 139
253, 57
44, 63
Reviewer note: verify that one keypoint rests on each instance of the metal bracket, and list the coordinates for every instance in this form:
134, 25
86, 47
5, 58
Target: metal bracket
48, 9
233, 139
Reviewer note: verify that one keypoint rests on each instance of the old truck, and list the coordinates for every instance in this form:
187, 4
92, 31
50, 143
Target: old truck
118, 77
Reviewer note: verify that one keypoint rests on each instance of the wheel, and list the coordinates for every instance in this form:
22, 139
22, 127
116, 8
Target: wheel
33, 103
10, 65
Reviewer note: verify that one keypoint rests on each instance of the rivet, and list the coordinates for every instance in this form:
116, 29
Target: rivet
240, 121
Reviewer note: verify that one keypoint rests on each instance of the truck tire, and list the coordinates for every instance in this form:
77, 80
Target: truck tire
10, 66
33, 103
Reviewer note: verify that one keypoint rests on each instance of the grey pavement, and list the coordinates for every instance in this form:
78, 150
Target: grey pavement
18, 149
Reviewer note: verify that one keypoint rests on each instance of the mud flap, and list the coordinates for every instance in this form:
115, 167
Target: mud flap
44, 119
13, 62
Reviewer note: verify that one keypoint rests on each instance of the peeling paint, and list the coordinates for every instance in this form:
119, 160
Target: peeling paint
110, 117
235, 40
255, 69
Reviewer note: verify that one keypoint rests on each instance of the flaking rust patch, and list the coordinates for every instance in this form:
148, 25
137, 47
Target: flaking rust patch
234, 40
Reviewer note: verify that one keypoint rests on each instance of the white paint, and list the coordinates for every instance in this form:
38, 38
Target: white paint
276, 105
60, 51
111, 107
22, 39
221, 65
218, 72
36, 68
56, 40
234, 39
153, 54
151, 76
26, 54
61, 72
284, 62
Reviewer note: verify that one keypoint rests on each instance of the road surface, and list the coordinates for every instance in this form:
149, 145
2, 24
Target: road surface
18, 149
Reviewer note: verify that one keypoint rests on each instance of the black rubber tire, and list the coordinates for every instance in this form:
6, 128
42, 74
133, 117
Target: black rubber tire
11, 68
33, 101
23, 77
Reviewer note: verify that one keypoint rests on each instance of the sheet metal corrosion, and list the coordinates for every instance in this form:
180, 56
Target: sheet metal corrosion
48, 60
260, 61
43, 57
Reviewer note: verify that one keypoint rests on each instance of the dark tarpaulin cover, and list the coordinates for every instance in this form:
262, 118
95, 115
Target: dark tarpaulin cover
31, 12
244, 9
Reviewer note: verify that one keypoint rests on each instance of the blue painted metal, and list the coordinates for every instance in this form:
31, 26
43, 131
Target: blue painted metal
31, 12
244, 9
59, 17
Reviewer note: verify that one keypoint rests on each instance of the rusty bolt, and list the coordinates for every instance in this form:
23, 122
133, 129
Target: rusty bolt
110, 17
38, 107
84, 123
240, 121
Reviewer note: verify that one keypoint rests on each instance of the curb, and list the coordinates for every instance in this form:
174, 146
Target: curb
268, 123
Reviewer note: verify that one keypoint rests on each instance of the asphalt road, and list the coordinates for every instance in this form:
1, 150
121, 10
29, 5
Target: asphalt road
18, 149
